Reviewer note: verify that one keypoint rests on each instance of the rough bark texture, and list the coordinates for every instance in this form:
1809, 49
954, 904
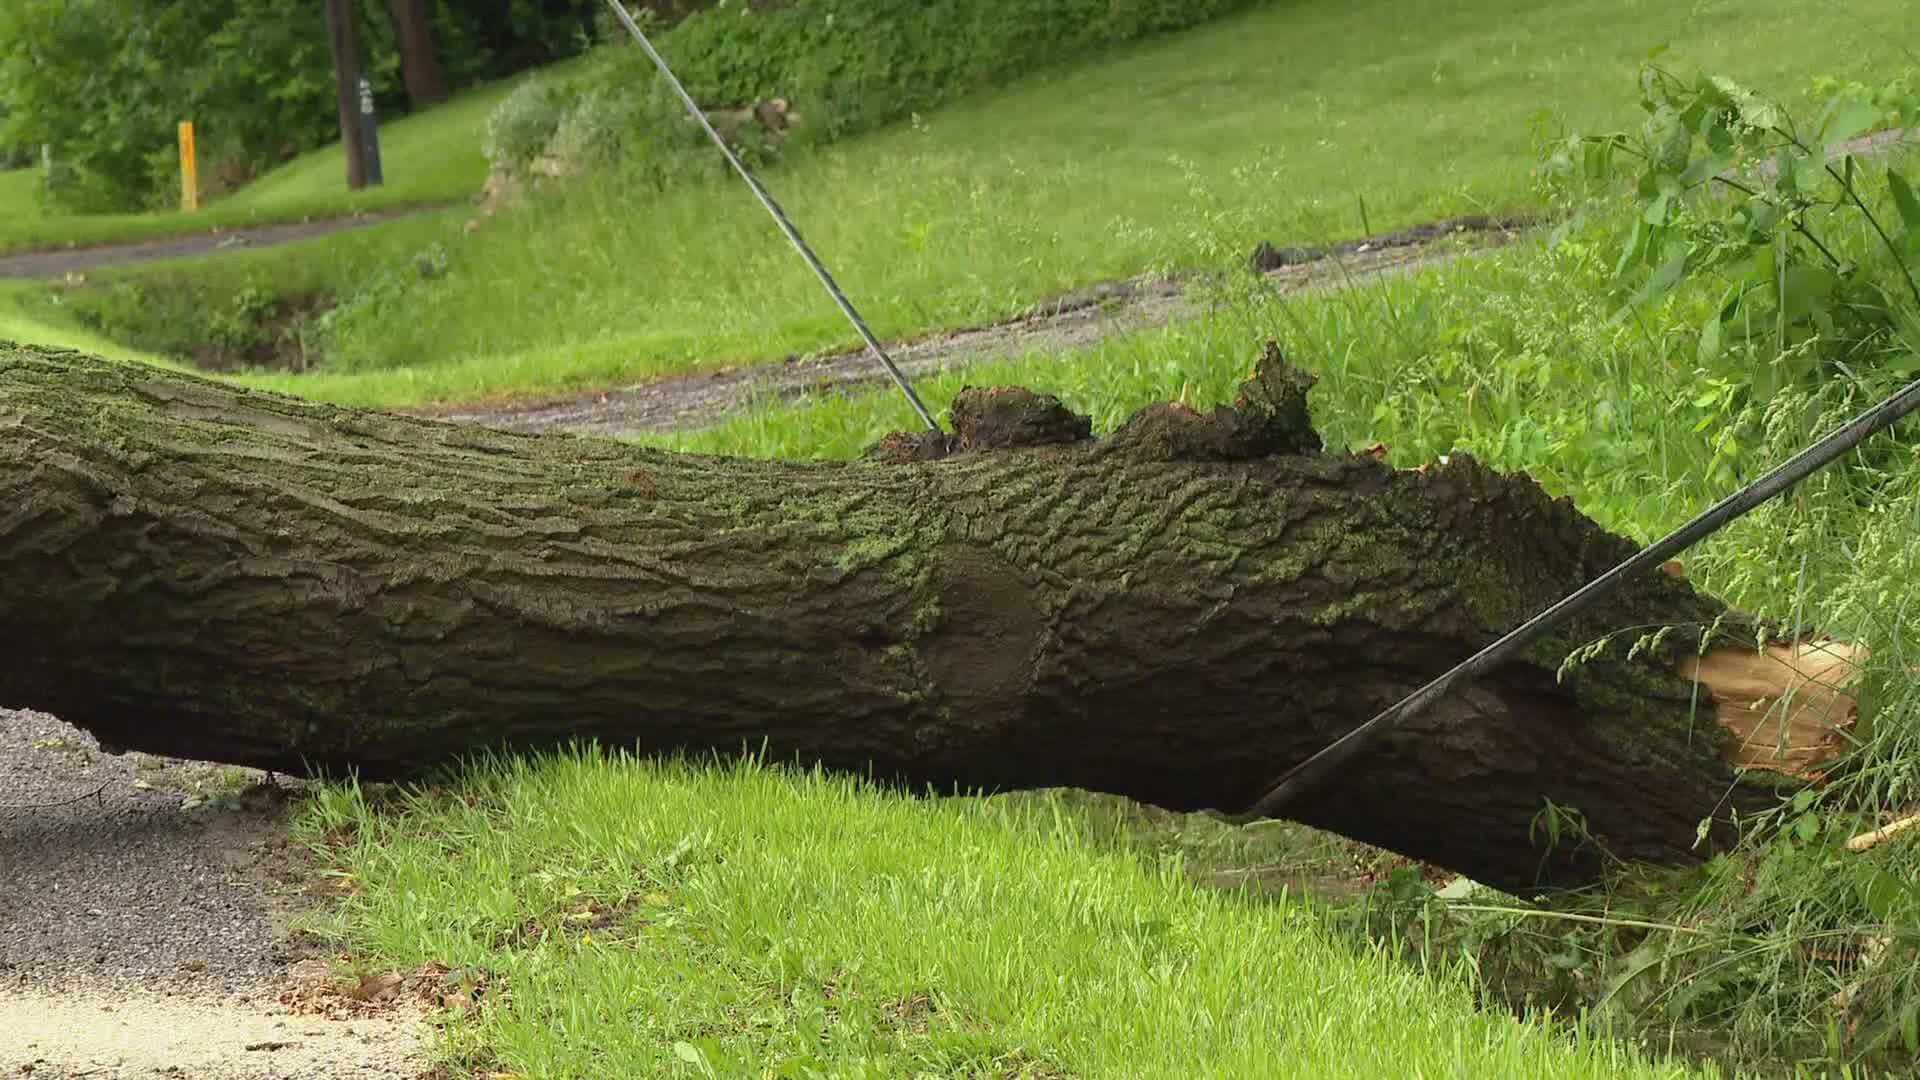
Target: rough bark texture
419, 60
1177, 613
343, 40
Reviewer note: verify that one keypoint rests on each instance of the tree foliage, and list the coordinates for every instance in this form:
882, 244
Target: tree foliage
104, 82
860, 63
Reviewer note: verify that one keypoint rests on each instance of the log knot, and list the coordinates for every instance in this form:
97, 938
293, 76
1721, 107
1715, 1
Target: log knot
990, 418
1268, 418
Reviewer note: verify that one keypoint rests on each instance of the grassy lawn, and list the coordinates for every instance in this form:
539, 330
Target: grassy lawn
19, 204
1300, 121
668, 920
430, 157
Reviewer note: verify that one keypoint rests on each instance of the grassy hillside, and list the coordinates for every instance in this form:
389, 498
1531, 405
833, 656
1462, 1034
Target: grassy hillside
1299, 121
23, 318
429, 157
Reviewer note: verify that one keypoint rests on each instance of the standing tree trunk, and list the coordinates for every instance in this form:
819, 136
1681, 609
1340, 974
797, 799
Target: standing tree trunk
419, 62
343, 40
1177, 613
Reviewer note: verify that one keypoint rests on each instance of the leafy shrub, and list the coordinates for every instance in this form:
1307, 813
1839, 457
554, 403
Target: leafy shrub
857, 64
845, 65
521, 126
1734, 191
593, 130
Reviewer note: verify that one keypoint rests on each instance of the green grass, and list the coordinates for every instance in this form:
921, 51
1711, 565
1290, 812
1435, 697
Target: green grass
430, 157
19, 200
1298, 122
181, 307
21, 321
641, 919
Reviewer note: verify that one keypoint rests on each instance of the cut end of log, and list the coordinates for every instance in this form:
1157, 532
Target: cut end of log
1788, 705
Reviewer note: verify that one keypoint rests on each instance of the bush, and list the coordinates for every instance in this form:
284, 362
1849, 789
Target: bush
846, 66
519, 128
858, 64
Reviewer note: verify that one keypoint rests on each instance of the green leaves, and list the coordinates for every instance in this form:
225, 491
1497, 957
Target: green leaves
1806, 290
1908, 207
1845, 118
1711, 345
1887, 897
1762, 234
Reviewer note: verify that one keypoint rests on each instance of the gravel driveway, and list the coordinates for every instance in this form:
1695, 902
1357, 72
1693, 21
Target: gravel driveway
141, 936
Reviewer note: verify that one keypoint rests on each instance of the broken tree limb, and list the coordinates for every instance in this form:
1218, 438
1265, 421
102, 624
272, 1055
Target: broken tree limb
1176, 613
1867, 841
1788, 705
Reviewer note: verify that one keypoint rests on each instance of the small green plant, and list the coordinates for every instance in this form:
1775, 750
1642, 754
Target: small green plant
521, 126
221, 793
1732, 189
242, 324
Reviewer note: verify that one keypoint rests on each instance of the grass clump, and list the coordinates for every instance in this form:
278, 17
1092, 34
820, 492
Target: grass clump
670, 919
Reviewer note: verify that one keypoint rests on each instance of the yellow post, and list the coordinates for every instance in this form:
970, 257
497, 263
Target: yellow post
189, 177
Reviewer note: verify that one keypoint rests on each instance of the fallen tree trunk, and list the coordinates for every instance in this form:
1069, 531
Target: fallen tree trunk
1176, 613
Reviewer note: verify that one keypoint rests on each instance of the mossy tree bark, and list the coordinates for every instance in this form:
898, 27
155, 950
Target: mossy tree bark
1177, 613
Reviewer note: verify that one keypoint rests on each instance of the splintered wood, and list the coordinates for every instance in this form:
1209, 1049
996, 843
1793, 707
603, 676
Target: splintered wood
1788, 705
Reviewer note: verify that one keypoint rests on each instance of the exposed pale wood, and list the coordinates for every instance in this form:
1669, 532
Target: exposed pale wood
1868, 840
1787, 706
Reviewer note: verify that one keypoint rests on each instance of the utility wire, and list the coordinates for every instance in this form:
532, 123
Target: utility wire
766, 200
1310, 773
